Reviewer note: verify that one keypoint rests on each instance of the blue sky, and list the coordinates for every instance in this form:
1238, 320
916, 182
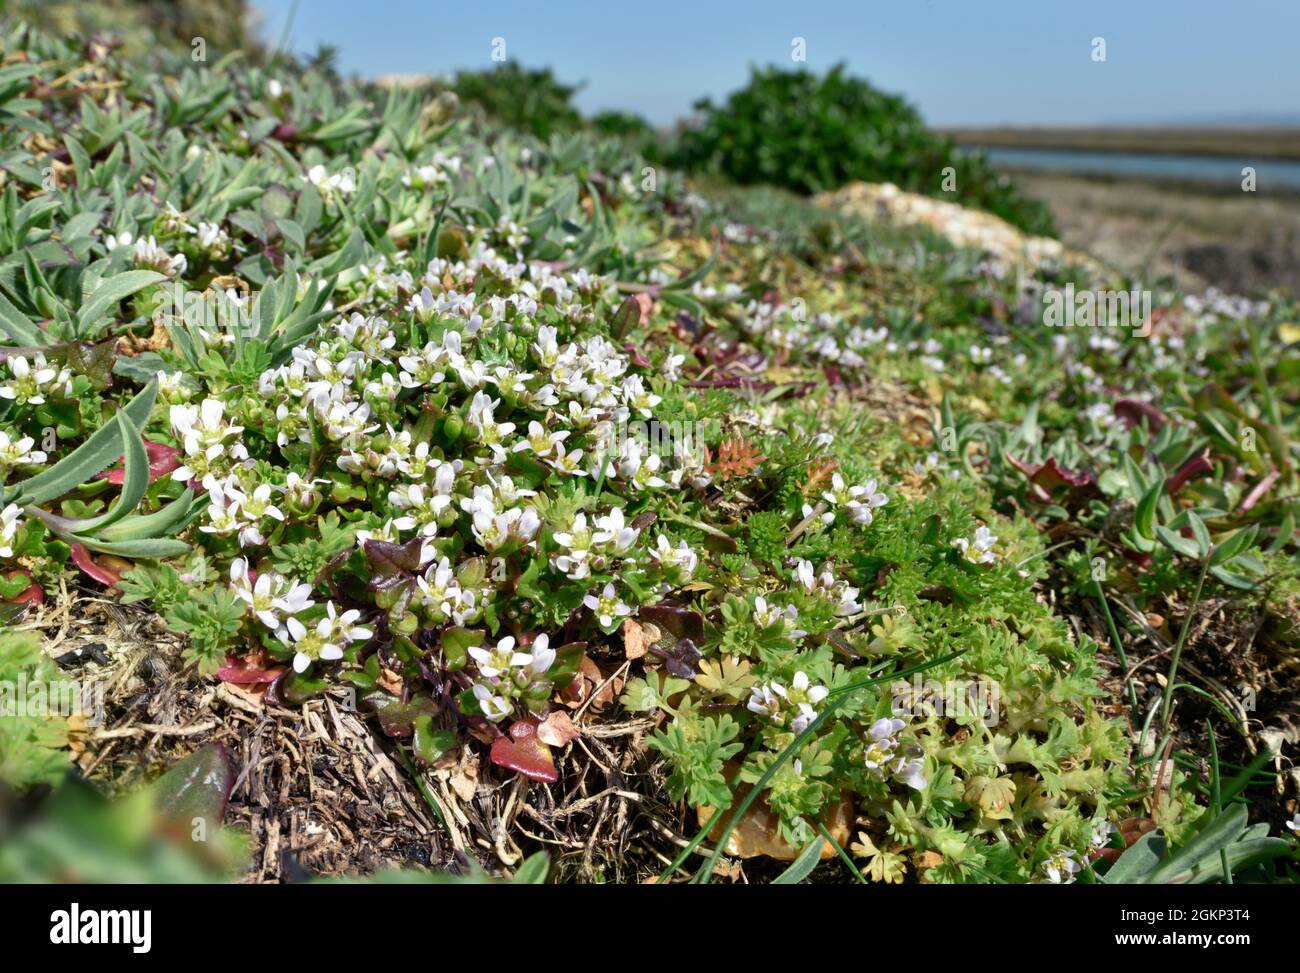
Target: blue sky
961, 61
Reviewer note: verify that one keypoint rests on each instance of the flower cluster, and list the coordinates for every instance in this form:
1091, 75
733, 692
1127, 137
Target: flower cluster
508, 676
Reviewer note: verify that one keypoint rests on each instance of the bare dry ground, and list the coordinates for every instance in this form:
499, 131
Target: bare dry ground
1243, 243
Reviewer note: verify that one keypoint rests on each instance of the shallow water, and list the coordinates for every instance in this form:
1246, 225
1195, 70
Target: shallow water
1223, 170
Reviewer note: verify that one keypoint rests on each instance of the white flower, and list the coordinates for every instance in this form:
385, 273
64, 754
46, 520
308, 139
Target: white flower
910, 769
765, 700
570, 463
331, 186
543, 654
607, 606
881, 743
613, 534
10, 519
310, 644
343, 626
203, 432
494, 707
541, 442
680, 557
32, 381
272, 597
771, 700
18, 452
769, 616
1101, 834
489, 432
149, 254
493, 663
636, 396
1293, 824
858, 500
212, 238
1061, 867
978, 550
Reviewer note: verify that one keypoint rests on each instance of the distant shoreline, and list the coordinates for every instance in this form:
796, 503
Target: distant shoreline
1196, 187
1263, 143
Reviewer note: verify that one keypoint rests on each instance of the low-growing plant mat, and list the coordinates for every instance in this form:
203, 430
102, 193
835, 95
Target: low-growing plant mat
450, 496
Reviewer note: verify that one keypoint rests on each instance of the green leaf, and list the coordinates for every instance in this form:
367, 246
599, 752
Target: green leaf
1183, 545
97, 453
802, 866
1138, 861
19, 328
145, 547
161, 523
1201, 532
110, 292
135, 478
1145, 516
1235, 544
533, 870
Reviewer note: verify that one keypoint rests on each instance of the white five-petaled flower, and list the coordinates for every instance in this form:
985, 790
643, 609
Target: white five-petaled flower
493, 663
18, 452
327, 640
1060, 868
607, 605
859, 501
494, 707
31, 381
801, 697
272, 597
979, 549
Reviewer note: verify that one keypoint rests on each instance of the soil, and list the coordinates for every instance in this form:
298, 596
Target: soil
1241, 243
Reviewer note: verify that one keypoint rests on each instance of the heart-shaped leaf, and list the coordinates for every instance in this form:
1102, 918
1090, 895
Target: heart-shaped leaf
523, 751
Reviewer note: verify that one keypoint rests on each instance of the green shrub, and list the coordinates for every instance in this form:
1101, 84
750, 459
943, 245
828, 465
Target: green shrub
524, 99
813, 133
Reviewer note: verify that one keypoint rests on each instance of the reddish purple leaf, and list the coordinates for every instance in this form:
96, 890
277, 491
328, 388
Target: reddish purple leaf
393, 565
82, 559
1196, 466
1132, 411
1258, 490
681, 622
241, 672
1050, 476
523, 752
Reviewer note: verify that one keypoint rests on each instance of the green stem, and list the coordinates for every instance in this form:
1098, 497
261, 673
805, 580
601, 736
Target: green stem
1119, 649
1167, 709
